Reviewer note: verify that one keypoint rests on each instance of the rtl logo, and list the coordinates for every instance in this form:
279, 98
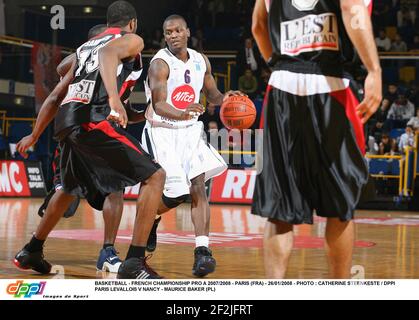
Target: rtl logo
234, 186
27, 290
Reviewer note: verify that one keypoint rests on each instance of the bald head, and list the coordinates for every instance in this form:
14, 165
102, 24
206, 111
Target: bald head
176, 33
175, 17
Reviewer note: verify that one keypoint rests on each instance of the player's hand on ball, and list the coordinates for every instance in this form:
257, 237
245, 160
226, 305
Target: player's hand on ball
193, 110
118, 113
24, 144
233, 93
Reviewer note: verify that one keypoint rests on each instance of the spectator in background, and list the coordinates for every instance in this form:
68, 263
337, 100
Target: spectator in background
157, 42
265, 74
372, 146
398, 44
216, 8
386, 145
414, 46
198, 10
389, 97
407, 139
414, 121
394, 148
248, 84
211, 114
197, 40
381, 13
400, 112
406, 16
213, 127
413, 93
382, 41
377, 131
249, 57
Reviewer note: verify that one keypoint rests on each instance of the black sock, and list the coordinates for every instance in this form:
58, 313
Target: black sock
35, 245
107, 245
135, 252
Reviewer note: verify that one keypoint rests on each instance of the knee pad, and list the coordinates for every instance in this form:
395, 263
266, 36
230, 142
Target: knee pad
173, 202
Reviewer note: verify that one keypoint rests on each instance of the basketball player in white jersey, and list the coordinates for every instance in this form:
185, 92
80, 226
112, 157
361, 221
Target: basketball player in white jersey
176, 77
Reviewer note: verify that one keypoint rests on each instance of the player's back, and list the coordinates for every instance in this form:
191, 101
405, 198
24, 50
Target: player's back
87, 100
308, 36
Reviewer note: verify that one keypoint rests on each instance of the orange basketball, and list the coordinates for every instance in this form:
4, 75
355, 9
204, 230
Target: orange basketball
238, 112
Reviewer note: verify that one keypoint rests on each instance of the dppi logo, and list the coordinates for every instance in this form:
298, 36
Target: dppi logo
27, 290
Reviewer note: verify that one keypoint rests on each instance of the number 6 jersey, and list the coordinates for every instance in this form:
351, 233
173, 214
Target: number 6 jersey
184, 86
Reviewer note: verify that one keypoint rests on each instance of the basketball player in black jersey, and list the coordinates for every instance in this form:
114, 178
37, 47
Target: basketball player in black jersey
98, 157
313, 135
108, 259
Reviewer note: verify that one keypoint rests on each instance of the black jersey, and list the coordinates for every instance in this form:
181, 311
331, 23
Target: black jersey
87, 99
308, 36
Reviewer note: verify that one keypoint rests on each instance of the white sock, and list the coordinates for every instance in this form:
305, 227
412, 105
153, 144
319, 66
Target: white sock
201, 241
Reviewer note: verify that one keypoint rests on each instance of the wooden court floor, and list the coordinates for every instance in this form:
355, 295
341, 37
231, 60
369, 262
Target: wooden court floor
387, 243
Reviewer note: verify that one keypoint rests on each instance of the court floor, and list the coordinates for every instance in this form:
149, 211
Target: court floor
387, 243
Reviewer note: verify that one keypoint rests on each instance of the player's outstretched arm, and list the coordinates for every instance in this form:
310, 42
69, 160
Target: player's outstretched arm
260, 29
47, 112
125, 47
210, 87
158, 74
358, 26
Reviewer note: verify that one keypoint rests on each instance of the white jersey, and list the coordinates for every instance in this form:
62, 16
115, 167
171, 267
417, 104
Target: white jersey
184, 86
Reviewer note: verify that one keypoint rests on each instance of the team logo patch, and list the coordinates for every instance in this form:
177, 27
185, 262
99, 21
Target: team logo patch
310, 33
304, 5
81, 92
183, 96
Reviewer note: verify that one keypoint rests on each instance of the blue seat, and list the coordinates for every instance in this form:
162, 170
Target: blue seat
396, 133
390, 74
395, 167
18, 130
382, 166
3, 143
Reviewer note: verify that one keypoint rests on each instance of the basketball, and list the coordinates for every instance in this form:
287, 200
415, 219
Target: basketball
238, 112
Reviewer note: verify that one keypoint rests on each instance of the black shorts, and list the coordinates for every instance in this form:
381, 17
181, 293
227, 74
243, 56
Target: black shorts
312, 157
100, 158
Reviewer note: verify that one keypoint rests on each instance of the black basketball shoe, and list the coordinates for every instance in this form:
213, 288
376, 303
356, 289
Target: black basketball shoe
137, 268
32, 260
152, 238
204, 262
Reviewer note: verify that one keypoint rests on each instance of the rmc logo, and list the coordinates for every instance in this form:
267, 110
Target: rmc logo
27, 290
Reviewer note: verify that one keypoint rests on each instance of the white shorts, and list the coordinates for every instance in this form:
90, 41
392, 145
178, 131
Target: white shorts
184, 154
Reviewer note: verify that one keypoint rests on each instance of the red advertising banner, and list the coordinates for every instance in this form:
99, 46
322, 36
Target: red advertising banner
233, 186
21, 179
13, 179
45, 59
